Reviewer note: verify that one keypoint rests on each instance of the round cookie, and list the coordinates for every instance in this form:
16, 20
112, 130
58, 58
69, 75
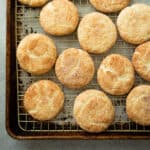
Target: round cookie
134, 23
74, 68
36, 53
59, 17
109, 6
96, 33
33, 3
141, 60
93, 111
116, 74
43, 100
138, 105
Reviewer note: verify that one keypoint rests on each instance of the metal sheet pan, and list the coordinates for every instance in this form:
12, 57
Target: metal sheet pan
22, 20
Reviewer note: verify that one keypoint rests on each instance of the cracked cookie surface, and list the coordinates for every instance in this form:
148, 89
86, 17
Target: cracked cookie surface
43, 100
116, 74
74, 68
93, 111
33, 3
109, 6
96, 33
141, 60
138, 105
36, 53
133, 23
59, 17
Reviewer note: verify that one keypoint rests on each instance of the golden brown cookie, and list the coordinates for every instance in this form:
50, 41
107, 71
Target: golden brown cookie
96, 33
36, 53
33, 3
116, 74
59, 17
109, 6
74, 68
93, 111
134, 23
138, 105
141, 60
43, 100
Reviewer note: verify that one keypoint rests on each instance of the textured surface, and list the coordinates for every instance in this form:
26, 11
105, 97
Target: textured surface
134, 23
36, 53
93, 110
96, 33
140, 60
109, 5
74, 68
7, 142
59, 17
33, 3
116, 74
43, 100
138, 104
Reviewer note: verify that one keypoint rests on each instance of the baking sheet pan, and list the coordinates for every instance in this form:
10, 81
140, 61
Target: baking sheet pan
22, 20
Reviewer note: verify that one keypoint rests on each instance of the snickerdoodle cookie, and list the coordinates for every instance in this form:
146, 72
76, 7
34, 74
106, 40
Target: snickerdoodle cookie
36, 53
96, 33
33, 3
134, 23
141, 60
116, 74
109, 6
59, 17
138, 105
74, 68
93, 111
43, 100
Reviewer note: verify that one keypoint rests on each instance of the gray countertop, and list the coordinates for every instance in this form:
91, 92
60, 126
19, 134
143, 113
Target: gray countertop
7, 142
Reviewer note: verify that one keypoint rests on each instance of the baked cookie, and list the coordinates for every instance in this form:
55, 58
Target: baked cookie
109, 6
33, 3
93, 111
59, 17
43, 100
36, 53
141, 60
134, 23
116, 75
96, 33
138, 105
74, 68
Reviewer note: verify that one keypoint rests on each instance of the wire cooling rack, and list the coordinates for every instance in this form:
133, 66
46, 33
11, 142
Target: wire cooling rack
27, 21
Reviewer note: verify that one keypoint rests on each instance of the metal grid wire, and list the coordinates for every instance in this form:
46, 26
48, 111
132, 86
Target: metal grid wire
27, 21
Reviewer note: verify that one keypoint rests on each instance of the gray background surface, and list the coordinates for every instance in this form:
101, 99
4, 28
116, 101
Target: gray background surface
7, 143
